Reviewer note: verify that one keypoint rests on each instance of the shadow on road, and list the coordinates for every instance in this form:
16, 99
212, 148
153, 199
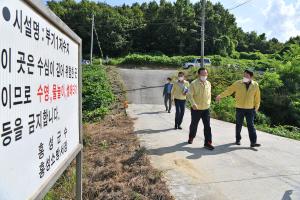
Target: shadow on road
151, 113
197, 152
151, 131
144, 88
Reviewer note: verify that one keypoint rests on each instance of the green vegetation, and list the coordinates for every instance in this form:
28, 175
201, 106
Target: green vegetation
164, 27
97, 95
256, 61
280, 107
64, 187
154, 60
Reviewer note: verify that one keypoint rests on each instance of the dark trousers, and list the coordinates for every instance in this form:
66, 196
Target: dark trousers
168, 102
250, 115
205, 116
180, 108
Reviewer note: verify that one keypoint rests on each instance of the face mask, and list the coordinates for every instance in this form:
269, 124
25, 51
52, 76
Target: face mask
203, 78
181, 78
246, 80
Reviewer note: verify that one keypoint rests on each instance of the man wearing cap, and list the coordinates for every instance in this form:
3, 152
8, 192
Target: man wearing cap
247, 96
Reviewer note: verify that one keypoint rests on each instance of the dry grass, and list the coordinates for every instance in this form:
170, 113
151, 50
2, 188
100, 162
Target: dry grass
121, 170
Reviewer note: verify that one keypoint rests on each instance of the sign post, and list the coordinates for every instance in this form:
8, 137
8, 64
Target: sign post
40, 100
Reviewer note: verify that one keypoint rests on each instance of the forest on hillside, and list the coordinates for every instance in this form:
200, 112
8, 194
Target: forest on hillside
164, 27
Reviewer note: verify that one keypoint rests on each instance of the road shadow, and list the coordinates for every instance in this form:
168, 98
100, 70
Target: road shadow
197, 152
144, 88
151, 113
151, 131
287, 195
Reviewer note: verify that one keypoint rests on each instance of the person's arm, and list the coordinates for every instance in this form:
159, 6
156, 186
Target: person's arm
172, 92
257, 99
229, 91
190, 96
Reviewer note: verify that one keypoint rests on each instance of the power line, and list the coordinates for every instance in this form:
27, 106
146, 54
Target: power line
241, 4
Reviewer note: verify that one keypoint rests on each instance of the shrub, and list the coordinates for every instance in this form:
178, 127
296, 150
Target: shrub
251, 56
97, 93
216, 60
225, 110
235, 55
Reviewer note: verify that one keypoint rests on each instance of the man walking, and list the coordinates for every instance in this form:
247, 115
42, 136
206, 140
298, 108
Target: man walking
247, 96
167, 94
200, 98
178, 94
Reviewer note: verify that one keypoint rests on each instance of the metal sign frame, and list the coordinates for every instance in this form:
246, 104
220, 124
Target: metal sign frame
39, 7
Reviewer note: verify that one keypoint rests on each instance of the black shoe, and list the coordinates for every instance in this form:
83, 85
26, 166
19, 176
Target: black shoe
169, 111
255, 145
176, 127
209, 146
190, 141
179, 127
238, 142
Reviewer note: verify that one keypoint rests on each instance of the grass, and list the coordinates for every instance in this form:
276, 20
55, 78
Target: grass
64, 187
258, 62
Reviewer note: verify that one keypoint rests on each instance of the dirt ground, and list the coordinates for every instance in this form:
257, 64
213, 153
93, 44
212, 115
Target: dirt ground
115, 165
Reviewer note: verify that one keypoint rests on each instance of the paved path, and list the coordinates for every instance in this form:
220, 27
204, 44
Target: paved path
145, 86
229, 172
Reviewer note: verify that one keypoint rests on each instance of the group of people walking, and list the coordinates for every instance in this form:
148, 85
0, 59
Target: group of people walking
198, 93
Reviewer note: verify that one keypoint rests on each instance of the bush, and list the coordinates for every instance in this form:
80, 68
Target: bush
251, 56
225, 110
261, 118
97, 93
154, 60
216, 60
283, 131
235, 55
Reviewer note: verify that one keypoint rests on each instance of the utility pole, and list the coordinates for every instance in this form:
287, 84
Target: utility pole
202, 32
92, 39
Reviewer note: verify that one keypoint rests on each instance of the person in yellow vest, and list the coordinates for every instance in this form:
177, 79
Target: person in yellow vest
247, 96
200, 98
178, 95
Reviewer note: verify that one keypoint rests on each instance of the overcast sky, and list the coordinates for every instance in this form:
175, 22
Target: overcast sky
276, 18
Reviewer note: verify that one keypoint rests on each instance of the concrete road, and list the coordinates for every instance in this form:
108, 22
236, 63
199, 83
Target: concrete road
145, 86
229, 172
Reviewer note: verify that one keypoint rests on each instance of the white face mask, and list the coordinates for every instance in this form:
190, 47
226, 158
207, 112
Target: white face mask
203, 78
246, 80
181, 78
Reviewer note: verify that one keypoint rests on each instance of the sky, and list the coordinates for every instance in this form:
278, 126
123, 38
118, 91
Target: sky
276, 18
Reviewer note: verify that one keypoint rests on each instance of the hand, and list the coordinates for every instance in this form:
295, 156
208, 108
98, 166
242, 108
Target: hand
218, 98
194, 107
